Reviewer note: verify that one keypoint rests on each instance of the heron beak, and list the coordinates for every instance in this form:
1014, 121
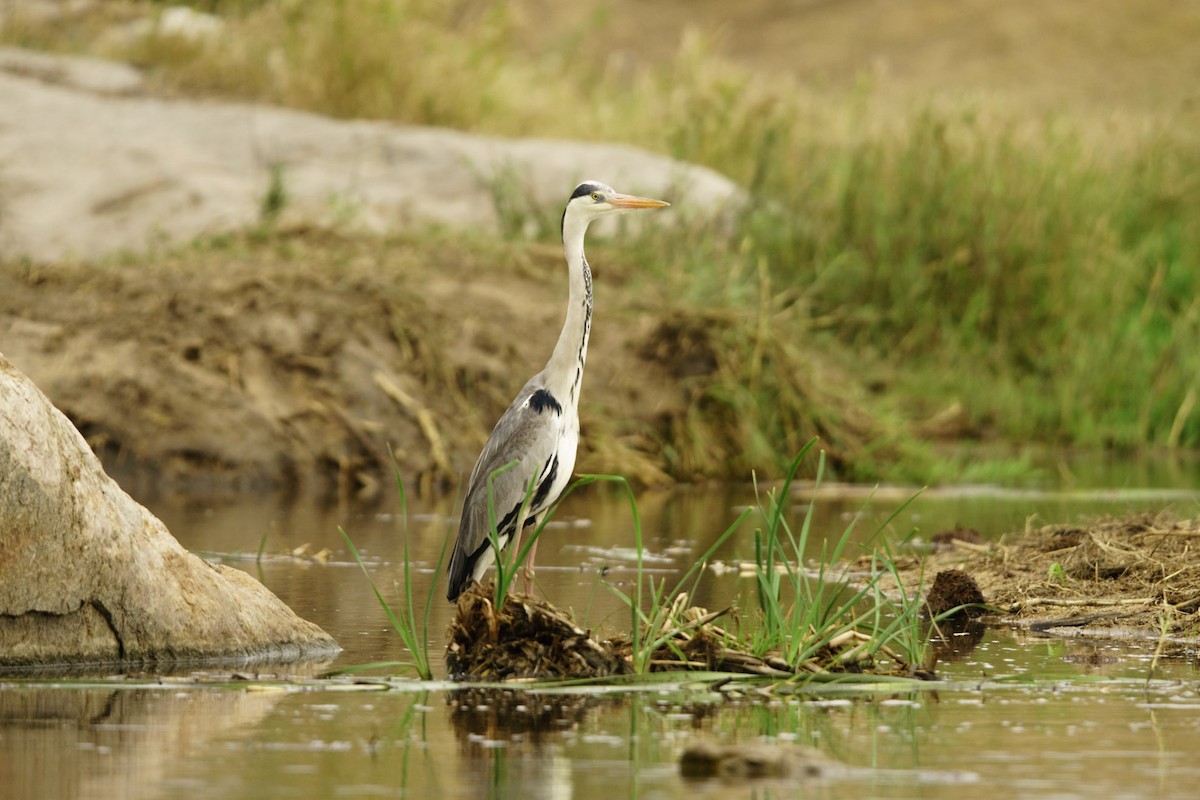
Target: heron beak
630, 201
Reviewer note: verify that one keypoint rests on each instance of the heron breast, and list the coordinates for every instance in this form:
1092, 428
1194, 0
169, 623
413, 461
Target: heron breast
567, 446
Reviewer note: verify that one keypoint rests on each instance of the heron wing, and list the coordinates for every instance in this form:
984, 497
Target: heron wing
527, 436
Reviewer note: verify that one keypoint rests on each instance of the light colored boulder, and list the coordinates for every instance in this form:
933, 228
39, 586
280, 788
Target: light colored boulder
87, 574
89, 166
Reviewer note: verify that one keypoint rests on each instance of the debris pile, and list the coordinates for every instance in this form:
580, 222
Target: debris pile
529, 638
1132, 574
525, 638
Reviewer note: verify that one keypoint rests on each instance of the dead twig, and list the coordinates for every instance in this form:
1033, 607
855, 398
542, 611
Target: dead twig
1085, 602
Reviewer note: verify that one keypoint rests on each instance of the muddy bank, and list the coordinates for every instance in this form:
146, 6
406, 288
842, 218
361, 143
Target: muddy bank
298, 360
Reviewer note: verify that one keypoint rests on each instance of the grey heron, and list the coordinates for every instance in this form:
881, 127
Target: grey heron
539, 433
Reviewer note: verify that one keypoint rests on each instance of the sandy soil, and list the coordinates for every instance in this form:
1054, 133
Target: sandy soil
300, 363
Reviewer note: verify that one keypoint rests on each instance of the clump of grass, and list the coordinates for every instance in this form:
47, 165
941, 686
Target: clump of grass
654, 616
807, 622
807, 616
275, 198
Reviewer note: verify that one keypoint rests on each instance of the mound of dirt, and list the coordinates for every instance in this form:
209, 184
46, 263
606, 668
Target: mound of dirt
955, 590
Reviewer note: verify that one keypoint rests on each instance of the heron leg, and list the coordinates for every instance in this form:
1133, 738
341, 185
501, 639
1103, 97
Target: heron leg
528, 571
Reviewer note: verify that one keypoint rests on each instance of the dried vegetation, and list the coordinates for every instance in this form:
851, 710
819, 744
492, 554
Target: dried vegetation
1133, 574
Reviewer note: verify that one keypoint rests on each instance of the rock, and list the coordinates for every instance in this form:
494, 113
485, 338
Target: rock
751, 761
88, 168
87, 574
90, 75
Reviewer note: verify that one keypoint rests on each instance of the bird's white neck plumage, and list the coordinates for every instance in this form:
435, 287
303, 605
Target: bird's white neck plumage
564, 371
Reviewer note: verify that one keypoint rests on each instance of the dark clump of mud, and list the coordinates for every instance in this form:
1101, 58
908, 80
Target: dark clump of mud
1138, 574
525, 638
955, 591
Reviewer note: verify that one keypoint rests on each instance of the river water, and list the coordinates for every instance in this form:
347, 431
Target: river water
1016, 715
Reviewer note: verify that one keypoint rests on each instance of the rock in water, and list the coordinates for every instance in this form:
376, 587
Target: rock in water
89, 575
753, 761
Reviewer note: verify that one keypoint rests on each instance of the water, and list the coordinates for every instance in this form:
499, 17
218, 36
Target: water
1053, 740
1017, 715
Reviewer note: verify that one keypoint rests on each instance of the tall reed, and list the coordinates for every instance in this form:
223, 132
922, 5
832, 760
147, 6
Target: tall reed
413, 632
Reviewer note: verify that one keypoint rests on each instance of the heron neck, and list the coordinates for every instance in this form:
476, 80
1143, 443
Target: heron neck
564, 371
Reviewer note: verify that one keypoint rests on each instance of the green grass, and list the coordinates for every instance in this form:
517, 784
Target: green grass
806, 613
1051, 291
652, 624
510, 559
1039, 269
412, 631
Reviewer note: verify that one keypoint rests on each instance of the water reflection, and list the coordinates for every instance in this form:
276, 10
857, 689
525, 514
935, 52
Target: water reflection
511, 738
1045, 739
485, 718
956, 639
111, 743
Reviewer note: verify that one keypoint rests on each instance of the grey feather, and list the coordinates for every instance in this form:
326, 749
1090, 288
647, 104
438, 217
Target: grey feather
528, 437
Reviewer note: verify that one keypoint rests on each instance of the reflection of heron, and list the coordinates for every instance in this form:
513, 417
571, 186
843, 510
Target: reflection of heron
539, 433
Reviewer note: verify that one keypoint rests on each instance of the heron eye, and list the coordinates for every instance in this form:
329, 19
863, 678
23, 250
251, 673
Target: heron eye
596, 196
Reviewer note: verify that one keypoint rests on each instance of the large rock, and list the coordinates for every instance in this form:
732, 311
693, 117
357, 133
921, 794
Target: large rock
88, 574
89, 165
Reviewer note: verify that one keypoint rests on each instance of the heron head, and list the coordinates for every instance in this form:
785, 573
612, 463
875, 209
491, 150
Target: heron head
593, 199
